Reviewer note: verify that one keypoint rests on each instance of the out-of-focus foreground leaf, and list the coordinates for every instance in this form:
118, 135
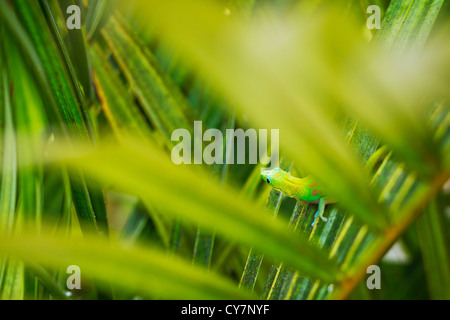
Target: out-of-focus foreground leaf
145, 271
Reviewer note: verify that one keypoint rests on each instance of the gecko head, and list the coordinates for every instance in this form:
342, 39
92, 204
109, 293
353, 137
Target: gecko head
270, 176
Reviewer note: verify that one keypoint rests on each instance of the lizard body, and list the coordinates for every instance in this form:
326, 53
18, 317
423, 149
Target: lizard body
304, 190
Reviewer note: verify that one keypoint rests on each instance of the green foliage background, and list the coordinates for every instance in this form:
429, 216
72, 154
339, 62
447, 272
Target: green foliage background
86, 175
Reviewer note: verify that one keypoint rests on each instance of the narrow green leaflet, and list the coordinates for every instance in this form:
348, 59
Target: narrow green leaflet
435, 245
8, 191
408, 22
76, 47
13, 283
8, 187
97, 15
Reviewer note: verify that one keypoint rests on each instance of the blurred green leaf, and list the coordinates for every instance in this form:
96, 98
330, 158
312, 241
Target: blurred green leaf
147, 272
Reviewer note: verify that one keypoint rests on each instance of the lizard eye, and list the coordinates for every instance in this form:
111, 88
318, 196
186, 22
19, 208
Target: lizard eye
268, 180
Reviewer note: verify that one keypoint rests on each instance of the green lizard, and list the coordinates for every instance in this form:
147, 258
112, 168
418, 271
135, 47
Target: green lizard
304, 190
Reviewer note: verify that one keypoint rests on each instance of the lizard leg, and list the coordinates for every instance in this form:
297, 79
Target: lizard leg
322, 203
